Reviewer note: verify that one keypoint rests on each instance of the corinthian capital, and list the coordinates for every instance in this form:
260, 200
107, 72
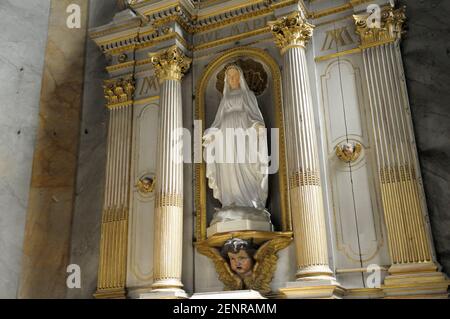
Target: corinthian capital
170, 64
389, 28
291, 31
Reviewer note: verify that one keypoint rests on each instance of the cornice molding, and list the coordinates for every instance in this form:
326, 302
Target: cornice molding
154, 22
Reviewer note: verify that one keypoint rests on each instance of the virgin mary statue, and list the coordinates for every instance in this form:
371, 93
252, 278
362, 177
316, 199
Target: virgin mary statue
239, 182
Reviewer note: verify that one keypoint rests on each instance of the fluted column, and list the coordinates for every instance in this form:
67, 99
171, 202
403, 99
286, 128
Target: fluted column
394, 140
292, 34
114, 232
170, 65
403, 199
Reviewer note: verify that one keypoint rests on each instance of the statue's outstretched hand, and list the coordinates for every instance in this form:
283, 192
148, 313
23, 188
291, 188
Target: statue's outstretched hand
207, 139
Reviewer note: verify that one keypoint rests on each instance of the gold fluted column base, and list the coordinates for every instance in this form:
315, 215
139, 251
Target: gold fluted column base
113, 255
118, 293
168, 248
309, 228
318, 289
413, 274
315, 279
168, 253
415, 280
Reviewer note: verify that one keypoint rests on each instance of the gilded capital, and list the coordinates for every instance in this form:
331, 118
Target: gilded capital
170, 64
291, 31
119, 92
388, 29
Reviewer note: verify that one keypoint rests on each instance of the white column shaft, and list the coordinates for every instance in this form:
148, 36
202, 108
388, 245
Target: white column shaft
303, 168
169, 191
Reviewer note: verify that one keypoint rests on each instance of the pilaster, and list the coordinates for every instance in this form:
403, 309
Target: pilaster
414, 271
114, 233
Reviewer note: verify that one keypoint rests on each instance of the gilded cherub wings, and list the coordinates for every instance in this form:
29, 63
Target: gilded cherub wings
349, 157
266, 262
226, 275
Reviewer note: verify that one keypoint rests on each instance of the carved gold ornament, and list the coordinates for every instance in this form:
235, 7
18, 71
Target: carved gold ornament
291, 31
254, 73
391, 27
119, 91
265, 259
122, 58
146, 185
304, 178
170, 64
348, 152
164, 200
397, 174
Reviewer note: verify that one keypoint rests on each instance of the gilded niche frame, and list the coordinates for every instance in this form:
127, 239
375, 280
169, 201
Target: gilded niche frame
200, 168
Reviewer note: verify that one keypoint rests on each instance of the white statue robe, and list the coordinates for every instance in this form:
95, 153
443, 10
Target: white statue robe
239, 184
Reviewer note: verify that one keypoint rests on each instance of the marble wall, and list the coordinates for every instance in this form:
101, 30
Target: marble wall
51, 195
23, 41
86, 224
426, 54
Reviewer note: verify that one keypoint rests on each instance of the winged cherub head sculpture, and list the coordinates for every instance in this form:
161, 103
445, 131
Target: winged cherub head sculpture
239, 253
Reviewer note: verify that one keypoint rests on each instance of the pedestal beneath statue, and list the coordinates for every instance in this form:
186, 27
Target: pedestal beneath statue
238, 225
230, 219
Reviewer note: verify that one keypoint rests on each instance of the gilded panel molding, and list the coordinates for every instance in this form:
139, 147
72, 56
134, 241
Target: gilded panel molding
200, 169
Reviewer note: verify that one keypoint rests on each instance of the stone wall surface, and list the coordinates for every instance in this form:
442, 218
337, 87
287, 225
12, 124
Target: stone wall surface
426, 56
47, 240
86, 224
23, 40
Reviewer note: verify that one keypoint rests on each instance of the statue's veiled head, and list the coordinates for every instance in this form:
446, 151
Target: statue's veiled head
240, 254
233, 77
